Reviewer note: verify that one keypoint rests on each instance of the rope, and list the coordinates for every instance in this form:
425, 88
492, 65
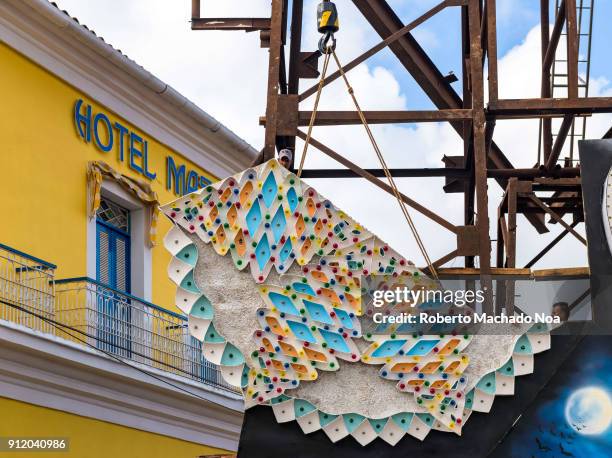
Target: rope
332, 52
314, 112
383, 163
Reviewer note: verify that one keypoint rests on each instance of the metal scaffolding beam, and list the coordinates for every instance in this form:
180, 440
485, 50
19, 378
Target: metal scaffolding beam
472, 115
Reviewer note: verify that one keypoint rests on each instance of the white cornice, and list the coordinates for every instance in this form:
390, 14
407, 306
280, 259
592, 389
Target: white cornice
607, 208
44, 370
47, 36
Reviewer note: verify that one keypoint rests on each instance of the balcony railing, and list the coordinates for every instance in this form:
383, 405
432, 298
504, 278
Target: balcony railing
27, 282
91, 314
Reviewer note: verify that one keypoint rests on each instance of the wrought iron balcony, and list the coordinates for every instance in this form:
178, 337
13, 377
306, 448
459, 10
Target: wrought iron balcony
27, 290
89, 313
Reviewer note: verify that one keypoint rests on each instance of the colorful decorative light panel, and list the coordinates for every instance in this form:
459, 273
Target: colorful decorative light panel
311, 319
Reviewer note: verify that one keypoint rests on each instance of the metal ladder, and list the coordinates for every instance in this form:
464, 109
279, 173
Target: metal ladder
559, 78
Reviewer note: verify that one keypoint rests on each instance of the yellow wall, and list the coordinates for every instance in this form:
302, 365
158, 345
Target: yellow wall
89, 438
43, 162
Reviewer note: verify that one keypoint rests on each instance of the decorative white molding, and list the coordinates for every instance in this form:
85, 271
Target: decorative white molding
48, 371
47, 36
607, 209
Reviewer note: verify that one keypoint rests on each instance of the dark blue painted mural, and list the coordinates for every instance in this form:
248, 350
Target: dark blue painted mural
572, 416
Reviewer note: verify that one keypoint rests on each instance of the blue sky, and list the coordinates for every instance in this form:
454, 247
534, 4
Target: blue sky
441, 38
225, 73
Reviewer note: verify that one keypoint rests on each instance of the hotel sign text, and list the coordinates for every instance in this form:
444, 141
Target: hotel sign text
108, 135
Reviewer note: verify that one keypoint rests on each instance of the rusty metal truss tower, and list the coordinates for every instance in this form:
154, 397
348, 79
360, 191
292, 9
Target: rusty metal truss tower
543, 194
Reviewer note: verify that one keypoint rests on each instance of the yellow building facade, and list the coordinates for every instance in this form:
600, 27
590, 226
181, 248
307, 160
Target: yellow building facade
46, 152
72, 102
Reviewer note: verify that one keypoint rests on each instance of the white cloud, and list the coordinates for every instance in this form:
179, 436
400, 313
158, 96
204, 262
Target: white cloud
519, 76
226, 72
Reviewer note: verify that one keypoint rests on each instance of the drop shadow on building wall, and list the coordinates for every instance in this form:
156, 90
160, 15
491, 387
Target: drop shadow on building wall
263, 437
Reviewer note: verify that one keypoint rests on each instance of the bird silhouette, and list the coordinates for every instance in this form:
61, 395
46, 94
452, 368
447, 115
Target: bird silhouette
565, 452
544, 448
